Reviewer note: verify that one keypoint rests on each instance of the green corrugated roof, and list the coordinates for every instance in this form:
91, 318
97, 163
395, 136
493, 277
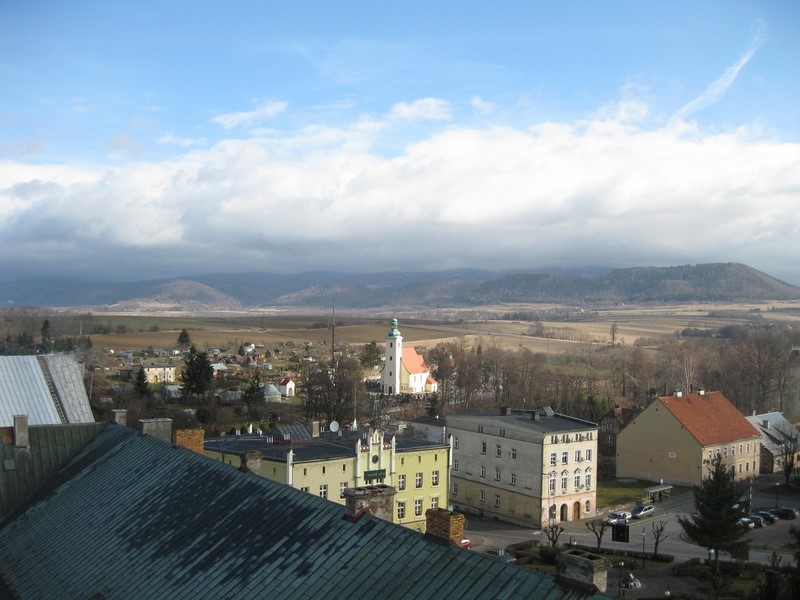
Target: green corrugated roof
134, 517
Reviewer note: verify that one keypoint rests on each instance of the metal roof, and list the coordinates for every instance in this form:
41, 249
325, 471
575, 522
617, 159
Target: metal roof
134, 517
24, 390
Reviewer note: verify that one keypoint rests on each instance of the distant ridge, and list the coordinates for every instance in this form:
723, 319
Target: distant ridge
717, 282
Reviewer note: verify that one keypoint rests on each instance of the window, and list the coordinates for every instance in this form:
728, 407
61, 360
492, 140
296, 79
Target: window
725, 452
498, 452
342, 488
344, 468
748, 447
740, 448
455, 464
564, 480
733, 450
588, 506
565, 458
513, 454
304, 489
455, 442
740, 467
747, 467
483, 496
483, 447
418, 480
588, 480
418, 507
305, 472
513, 479
323, 470
455, 489
434, 501
610, 440
401, 482
552, 459
496, 501
483, 471
589, 454
401, 510
323, 491
435, 478
710, 455
552, 484
577, 456
577, 480
609, 426
497, 474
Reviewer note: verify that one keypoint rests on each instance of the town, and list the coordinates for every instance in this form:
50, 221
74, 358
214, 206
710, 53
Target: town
280, 456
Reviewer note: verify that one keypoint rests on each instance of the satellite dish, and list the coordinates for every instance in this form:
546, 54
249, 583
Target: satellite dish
334, 426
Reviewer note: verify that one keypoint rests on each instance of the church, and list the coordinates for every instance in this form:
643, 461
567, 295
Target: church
404, 371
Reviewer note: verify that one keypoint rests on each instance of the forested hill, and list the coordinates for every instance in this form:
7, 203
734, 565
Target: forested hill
729, 282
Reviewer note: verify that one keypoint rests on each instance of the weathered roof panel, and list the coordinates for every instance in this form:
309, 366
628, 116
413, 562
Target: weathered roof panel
24, 390
155, 521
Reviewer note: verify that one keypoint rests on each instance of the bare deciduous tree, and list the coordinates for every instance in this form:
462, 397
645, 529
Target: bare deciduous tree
598, 528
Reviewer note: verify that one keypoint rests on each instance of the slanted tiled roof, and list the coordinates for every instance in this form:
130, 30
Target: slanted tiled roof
24, 390
134, 517
413, 362
50, 448
709, 417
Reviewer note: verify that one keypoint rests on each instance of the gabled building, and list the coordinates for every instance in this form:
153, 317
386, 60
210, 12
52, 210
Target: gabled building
47, 389
610, 425
675, 437
287, 387
404, 370
529, 467
329, 463
130, 516
779, 440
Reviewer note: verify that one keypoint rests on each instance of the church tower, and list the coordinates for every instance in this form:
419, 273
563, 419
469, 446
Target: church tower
393, 354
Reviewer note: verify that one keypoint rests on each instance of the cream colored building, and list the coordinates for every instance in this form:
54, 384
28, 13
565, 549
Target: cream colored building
675, 437
525, 467
159, 372
404, 371
418, 470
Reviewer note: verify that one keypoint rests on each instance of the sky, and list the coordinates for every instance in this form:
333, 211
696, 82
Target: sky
145, 140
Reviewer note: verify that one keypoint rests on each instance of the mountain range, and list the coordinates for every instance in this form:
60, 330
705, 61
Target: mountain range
717, 282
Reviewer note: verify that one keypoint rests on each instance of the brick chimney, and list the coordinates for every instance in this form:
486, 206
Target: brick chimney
374, 499
21, 440
191, 439
251, 462
582, 570
445, 525
535, 415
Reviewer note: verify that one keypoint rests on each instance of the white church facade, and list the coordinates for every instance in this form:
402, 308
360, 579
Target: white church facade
404, 371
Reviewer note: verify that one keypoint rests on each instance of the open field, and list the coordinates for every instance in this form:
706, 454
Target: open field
469, 326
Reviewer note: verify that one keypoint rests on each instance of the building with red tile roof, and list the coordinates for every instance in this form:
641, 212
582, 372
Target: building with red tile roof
675, 437
404, 370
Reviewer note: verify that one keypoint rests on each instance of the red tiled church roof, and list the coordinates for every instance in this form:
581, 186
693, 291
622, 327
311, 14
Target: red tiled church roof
413, 362
709, 417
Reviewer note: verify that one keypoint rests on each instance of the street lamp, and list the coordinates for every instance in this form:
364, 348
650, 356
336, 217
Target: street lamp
777, 485
621, 564
644, 562
667, 592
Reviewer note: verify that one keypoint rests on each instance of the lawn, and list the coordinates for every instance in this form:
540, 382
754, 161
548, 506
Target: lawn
618, 493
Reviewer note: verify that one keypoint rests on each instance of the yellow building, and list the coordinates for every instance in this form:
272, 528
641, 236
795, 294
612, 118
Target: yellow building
418, 470
675, 438
530, 467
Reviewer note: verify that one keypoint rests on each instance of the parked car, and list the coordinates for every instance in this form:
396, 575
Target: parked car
757, 521
784, 513
466, 543
502, 555
746, 522
620, 516
643, 510
742, 504
768, 517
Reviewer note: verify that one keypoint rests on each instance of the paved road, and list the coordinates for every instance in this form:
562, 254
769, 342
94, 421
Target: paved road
489, 533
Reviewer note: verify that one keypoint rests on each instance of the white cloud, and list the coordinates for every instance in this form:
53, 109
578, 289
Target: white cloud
481, 106
601, 192
235, 119
425, 109
717, 88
